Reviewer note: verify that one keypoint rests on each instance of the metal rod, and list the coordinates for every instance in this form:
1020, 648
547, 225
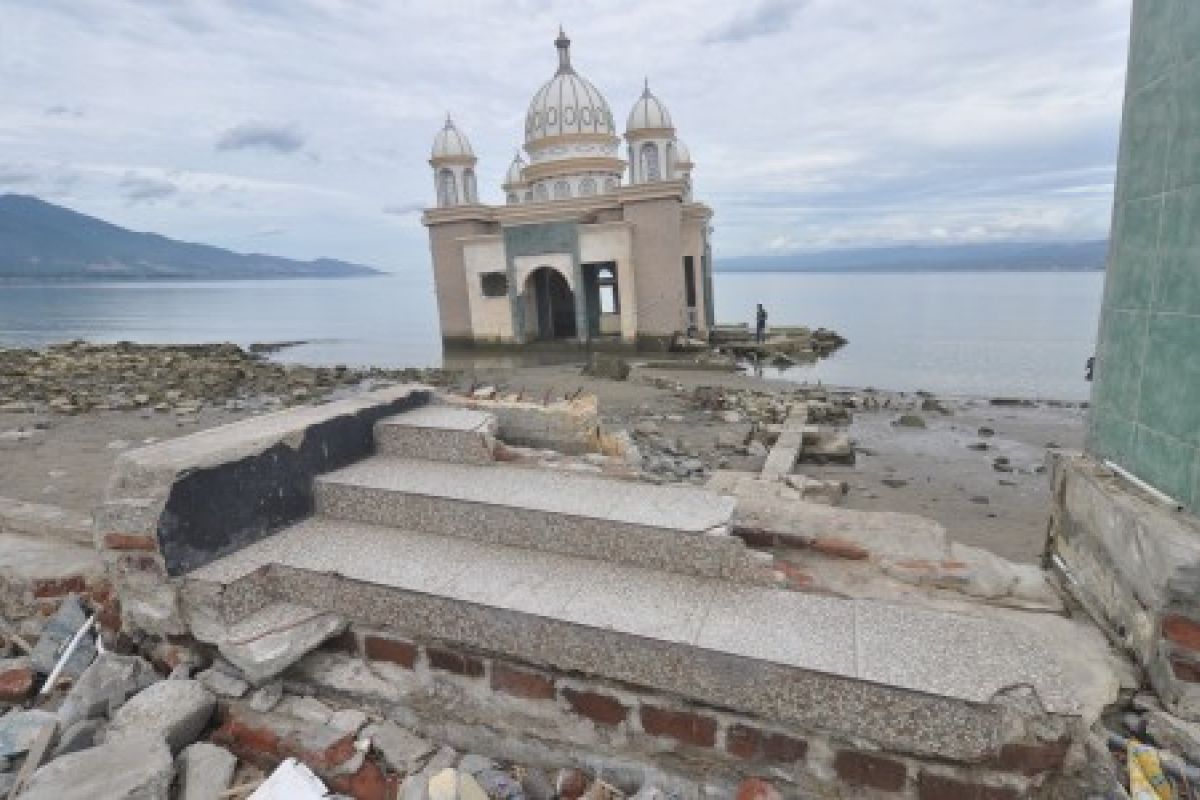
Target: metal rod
1157, 494
62, 660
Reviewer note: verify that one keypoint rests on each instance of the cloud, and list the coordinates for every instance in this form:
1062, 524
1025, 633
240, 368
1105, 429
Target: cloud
403, 209
12, 175
261, 136
269, 231
768, 17
146, 188
64, 111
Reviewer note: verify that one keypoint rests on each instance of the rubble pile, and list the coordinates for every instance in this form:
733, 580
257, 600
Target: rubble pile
79, 377
83, 721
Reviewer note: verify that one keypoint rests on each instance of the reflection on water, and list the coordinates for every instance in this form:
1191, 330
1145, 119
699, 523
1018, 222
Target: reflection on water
978, 333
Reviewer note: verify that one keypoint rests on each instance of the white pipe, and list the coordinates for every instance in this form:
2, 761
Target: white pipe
1162, 497
62, 660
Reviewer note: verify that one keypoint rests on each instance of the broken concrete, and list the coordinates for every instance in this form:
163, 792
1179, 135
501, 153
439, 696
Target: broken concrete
177, 711
105, 686
132, 768
205, 771
265, 644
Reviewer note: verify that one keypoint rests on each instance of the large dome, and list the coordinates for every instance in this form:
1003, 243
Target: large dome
567, 104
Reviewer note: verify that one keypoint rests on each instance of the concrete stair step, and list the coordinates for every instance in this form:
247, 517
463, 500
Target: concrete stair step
439, 433
669, 528
847, 667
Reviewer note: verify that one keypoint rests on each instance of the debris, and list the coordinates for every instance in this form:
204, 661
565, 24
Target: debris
1172, 733
105, 686
614, 368
69, 623
270, 641
221, 683
20, 729
16, 680
402, 750
910, 421
32, 761
451, 784
205, 771
131, 768
178, 711
291, 780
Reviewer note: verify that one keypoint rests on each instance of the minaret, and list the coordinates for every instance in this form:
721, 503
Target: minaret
453, 163
651, 137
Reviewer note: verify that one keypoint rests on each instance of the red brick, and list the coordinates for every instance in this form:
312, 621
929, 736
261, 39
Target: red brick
794, 575
1181, 631
597, 707
344, 642
370, 782
458, 663
840, 548
757, 789
940, 787
16, 681
394, 651
683, 726
1185, 670
265, 739
1031, 759
780, 749
521, 682
130, 541
743, 741
59, 587
865, 769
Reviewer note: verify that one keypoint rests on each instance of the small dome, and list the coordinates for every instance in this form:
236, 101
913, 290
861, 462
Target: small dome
450, 143
567, 103
683, 157
515, 173
648, 113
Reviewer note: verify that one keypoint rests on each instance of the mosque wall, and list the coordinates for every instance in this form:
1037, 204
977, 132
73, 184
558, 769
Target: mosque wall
657, 245
450, 278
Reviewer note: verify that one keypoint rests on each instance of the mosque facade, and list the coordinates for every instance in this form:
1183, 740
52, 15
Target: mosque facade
598, 241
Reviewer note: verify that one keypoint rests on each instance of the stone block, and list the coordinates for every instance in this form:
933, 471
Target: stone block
205, 771
20, 729
439, 433
402, 750
105, 686
265, 644
178, 711
132, 768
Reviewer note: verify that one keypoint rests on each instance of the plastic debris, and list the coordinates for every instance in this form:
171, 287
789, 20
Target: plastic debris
291, 780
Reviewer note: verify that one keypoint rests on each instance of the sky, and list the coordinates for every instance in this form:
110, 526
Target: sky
302, 128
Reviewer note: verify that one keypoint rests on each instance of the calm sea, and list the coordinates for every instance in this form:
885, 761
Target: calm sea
1024, 334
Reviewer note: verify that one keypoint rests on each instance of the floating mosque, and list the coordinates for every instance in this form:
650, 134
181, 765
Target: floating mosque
595, 242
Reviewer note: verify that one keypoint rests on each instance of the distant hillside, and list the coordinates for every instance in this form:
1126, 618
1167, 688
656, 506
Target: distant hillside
1020, 257
42, 241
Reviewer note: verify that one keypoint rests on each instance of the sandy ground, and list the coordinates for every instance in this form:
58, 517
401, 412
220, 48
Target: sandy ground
66, 460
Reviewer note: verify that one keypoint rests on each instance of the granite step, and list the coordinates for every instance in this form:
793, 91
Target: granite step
847, 667
439, 433
669, 528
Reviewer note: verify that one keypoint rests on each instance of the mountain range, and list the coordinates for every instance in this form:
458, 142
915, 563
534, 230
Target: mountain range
995, 256
42, 241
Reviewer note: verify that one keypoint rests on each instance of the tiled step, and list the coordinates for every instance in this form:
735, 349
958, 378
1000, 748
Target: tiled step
850, 668
439, 433
669, 528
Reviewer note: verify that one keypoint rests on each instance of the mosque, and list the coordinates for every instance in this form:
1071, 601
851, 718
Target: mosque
589, 247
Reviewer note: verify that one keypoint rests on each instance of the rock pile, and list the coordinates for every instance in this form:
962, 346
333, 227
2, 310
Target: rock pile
78, 377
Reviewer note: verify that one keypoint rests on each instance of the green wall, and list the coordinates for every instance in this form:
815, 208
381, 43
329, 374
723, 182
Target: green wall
1146, 397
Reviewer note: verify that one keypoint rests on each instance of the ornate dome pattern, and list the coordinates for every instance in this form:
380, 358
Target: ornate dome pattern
567, 104
648, 113
450, 143
515, 174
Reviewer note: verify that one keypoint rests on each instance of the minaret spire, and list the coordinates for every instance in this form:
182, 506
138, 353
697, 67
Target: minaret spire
564, 52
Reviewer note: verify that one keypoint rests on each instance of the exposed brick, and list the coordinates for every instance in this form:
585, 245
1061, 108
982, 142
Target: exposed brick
794, 575
394, 651
1181, 631
1185, 670
370, 782
757, 789
941, 787
683, 726
344, 642
781, 749
743, 741
521, 682
840, 548
866, 769
16, 680
756, 537
1031, 759
59, 587
458, 663
130, 541
141, 562
602, 708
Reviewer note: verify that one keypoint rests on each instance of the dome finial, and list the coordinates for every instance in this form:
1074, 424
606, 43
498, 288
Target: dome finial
564, 52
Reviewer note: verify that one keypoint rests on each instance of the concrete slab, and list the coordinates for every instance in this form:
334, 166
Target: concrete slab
439, 433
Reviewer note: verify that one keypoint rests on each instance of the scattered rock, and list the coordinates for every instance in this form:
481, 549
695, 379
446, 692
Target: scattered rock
1011, 401
131, 768
178, 711
756, 449
16, 680
450, 784
19, 729
613, 368
986, 431
401, 749
267, 697
205, 771
222, 684
910, 421
980, 500
350, 720
61, 628
270, 641
757, 789
1172, 733
980, 446
894, 483
571, 783
105, 686
80, 736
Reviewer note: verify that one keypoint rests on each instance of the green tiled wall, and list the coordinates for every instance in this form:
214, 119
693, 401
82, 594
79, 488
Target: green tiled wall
1146, 397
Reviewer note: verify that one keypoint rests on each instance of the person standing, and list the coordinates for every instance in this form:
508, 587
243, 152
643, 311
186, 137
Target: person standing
760, 324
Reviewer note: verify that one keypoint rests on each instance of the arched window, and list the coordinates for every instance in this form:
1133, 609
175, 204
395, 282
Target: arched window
512, 199
650, 171
447, 189
469, 190
670, 162
610, 184
528, 196
562, 190
541, 193
587, 187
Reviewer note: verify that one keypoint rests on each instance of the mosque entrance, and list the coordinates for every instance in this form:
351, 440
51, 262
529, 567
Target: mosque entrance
553, 304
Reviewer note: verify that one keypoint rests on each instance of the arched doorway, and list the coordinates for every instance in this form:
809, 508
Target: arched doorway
550, 305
